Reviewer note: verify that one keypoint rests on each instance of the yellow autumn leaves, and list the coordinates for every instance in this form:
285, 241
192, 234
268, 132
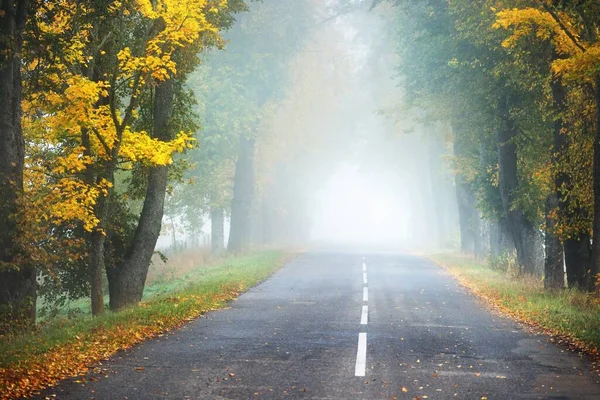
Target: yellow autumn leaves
576, 62
183, 24
79, 121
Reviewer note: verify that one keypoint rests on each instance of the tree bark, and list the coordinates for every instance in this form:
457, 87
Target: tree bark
577, 252
468, 215
554, 277
128, 279
594, 282
217, 231
500, 238
96, 256
243, 197
554, 262
526, 237
17, 274
578, 259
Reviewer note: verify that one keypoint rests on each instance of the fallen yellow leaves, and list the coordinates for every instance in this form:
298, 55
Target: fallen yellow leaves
37, 372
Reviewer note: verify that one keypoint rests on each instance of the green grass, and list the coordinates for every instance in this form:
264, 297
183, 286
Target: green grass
570, 314
168, 303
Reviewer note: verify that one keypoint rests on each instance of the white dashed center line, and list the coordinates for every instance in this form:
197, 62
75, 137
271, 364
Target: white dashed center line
365, 315
361, 355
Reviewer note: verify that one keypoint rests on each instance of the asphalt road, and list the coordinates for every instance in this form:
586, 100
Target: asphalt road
313, 330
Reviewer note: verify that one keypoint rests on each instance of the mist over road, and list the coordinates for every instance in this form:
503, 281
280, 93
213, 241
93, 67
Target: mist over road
328, 318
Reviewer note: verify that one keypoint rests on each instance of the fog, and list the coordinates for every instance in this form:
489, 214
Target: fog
376, 186
340, 157
356, 207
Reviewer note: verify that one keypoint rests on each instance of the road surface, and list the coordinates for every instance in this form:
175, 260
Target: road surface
334, 325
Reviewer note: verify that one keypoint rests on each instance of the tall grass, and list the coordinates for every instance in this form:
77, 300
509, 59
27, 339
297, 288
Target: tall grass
65, 346
570, 314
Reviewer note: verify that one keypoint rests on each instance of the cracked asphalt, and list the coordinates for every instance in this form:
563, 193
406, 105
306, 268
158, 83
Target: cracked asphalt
296, 336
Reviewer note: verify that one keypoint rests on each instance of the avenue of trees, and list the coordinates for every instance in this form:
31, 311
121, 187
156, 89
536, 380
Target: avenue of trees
518, 84
117, 114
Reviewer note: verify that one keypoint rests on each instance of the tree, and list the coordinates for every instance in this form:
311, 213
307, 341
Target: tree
103, 58
453, 66
17, 275
571, 31
235, 88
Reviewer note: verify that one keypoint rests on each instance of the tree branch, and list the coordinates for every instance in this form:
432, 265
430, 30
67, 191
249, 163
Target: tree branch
101, 139
562, 25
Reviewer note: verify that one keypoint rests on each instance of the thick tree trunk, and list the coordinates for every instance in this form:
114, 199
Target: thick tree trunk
127, 279
554, 262
577, 252
526, 237
17, 275
217, 231
594, 283
96, 256
97, 239
500, 238
243, 197
554, 277
578, 257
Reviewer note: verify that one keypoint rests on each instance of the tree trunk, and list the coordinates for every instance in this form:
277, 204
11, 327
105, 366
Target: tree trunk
500, 238
554, 277
577, 252
578, 257
554, 262
217, 231
96, 239
127, 279
526, 237
243, 197
96, 256
595, 265
464, 203
17, 274
476, 227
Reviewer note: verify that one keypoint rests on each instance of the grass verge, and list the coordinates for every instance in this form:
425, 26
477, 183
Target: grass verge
67, 347
569, 316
